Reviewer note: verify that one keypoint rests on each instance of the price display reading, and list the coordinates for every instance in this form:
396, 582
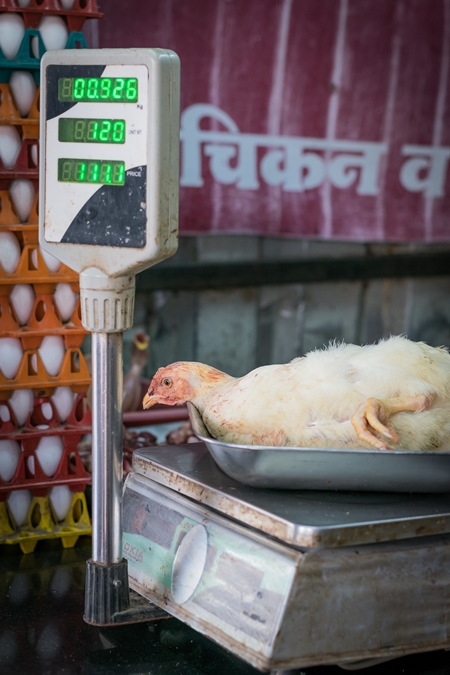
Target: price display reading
82, 130
107, 172
98, 89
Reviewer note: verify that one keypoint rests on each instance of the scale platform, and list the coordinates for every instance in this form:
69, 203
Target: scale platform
284, 578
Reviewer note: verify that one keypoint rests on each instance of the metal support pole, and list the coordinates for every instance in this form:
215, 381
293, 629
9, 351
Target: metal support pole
107, 474
107, 590
107, 306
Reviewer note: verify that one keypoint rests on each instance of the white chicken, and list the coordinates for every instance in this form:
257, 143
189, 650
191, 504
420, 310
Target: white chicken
394, 394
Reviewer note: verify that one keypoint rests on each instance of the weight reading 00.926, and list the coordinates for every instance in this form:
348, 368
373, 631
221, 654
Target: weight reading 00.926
98, 89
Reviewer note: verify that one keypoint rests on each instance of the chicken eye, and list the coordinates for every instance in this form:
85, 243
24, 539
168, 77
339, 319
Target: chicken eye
167, 381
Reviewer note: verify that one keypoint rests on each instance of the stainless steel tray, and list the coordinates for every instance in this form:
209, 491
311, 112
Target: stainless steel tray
327, 469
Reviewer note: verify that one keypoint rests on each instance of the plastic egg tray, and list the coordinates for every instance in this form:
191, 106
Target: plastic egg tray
31, 374
9, 216
79, 418
41, 523
27, 162
75, 17
25, 58
44, 319
70, 470
31, 267
28, 126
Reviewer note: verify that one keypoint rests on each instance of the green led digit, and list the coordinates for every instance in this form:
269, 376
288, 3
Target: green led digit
104, 132
119, 174
106, 173
92, 88
118, 131
118, 88
66, 172
65, 88
79, 85
80, 172
131, 89
92, 133
78, 134
105, 87
93, 172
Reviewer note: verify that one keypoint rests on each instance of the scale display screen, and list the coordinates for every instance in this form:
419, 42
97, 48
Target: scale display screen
98, 117
90, 130
98, 89
106, 172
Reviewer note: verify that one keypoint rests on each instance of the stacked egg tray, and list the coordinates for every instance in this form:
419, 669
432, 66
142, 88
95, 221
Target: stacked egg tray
49, 477
41, 369
31, 26
42, 477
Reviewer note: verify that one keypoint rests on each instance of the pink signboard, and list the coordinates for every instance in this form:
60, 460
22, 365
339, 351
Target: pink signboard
325, 119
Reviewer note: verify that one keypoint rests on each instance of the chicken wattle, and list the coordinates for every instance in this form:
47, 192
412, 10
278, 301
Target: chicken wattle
394, 394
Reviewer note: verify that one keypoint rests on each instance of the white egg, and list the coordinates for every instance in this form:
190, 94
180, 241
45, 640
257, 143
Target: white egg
67, 4
30, 464
63, 398
47, 410
52, 353
24, 3
22, 194
61, 499
52, 263
10, 357
19, 502
9, 252
9, 458
54, 34
49, 452
24, 88
5, 415
65, 300
30, 459
21, 403
34, 154
12, 30
10, 144
22, 299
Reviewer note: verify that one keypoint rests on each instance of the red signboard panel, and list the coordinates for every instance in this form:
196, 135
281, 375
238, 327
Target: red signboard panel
325, 119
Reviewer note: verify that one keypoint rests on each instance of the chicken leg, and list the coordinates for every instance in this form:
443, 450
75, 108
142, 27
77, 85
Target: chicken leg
374, 415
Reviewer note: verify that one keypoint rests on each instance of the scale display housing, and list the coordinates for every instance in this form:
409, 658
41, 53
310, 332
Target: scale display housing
109, 158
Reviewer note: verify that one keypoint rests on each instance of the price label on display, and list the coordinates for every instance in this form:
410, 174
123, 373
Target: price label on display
109, 144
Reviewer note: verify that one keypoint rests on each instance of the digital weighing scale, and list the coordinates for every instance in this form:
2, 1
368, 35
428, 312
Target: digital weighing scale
282, 578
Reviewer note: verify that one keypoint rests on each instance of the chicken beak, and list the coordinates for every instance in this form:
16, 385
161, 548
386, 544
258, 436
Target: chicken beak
148, 401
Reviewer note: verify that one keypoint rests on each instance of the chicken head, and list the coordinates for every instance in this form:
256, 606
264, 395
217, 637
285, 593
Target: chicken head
180, 382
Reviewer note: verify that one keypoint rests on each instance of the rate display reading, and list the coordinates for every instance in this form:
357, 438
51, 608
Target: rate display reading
107, 172
86, 130
98, 89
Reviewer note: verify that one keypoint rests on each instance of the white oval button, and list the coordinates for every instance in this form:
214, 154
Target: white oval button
189, 563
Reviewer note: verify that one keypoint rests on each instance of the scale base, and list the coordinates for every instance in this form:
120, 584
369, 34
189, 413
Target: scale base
108, 601
351, 598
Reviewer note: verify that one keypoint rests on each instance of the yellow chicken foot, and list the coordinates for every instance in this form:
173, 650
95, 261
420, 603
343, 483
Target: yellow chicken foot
374, 415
